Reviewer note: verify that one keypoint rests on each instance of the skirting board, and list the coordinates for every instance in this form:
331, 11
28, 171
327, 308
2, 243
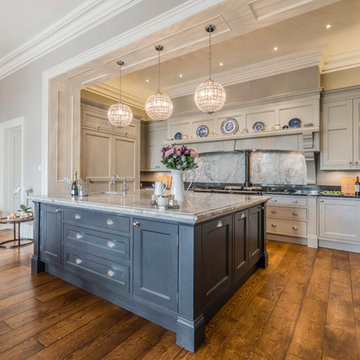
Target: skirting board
288, 239
339, 245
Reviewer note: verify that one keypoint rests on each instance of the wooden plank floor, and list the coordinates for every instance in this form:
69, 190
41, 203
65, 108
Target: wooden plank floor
305, 305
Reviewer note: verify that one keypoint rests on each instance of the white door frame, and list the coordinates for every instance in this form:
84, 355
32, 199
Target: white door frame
6, 125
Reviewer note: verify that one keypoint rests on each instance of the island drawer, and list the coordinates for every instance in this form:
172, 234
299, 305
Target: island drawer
111, 275
287, 200
286, 227
106, 221
287, 212
106, 245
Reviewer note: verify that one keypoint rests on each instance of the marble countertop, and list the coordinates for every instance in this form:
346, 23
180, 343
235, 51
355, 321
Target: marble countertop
197, 207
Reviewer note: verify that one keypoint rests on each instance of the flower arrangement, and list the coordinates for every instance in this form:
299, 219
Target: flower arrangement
179, 157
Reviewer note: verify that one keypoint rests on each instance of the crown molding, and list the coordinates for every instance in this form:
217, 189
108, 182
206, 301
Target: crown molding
82, 19
342, 61
276, 66
112, 93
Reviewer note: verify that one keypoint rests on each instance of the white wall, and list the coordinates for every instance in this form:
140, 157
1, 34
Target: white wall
20, 93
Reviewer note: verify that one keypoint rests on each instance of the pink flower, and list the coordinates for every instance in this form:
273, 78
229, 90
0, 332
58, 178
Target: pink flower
169, 152
178, 152
193, 154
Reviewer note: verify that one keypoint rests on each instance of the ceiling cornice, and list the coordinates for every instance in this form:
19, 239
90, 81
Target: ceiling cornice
112, 93
85, 17
342, 61
283, 64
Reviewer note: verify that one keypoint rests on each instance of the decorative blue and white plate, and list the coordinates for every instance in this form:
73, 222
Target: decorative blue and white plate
258, 126
202, 131
229, 126
178, 136
294, 123
285, 127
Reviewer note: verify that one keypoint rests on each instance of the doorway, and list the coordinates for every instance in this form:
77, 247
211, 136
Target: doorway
11, 165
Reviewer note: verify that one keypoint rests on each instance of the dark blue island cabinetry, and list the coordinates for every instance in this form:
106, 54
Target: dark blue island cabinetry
172, 269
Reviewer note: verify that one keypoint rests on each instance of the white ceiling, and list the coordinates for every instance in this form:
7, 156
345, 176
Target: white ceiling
243, 45
21, 20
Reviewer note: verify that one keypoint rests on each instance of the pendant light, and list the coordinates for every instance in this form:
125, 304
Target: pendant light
210, 96
159, 106
120, 115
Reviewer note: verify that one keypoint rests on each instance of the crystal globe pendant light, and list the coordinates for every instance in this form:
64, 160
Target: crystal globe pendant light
120, 115
210, 96
158, 106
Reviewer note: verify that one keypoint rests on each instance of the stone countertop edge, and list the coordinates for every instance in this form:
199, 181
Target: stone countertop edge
175, 215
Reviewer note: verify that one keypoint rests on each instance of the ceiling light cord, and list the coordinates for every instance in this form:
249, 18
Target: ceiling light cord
120, 85
158, 71
210, 70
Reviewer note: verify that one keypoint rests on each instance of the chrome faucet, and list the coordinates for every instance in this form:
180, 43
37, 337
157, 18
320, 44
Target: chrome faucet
124, 186
112, 182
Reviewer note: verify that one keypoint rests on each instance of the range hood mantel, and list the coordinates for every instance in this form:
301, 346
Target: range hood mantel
304, 140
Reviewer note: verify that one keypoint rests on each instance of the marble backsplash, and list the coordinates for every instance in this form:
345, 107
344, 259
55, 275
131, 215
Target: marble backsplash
221, 168
278, 167
266, 167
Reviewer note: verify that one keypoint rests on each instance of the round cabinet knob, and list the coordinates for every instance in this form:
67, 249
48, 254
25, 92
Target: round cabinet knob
356, 163
78, 236
136, 224
295, 213
78, 261
295, 202
109, 222
274, 225
110, 273
77, 217
273, 212
219, 224
110, 244
350, 162
57, 211
295, 227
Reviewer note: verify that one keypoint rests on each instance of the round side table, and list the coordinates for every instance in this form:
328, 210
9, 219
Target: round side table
17, 240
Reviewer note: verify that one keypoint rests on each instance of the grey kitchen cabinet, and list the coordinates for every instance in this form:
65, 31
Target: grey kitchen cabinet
51, 234
216, 255
153, 135
241, 256
173, 272
156, 262
255, 236
340, 130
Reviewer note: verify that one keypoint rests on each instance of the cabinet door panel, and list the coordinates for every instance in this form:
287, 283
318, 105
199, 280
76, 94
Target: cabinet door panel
339, 219
155, 262
337, 135
51, 234
255, 234
216, 255
240, 244
356, 105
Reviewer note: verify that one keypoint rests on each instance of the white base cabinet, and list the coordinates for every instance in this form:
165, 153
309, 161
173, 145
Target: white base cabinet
339, 225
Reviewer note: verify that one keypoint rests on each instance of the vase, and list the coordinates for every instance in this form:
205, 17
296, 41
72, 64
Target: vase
177, 185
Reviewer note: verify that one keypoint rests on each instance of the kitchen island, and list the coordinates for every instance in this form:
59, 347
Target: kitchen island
174, 267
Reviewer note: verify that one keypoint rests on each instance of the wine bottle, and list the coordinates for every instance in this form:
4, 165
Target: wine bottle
357, 187
74, 187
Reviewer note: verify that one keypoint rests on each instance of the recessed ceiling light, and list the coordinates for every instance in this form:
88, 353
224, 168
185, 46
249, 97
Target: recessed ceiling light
180, 75
328, 26
221, 64
147, 80
275, 48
